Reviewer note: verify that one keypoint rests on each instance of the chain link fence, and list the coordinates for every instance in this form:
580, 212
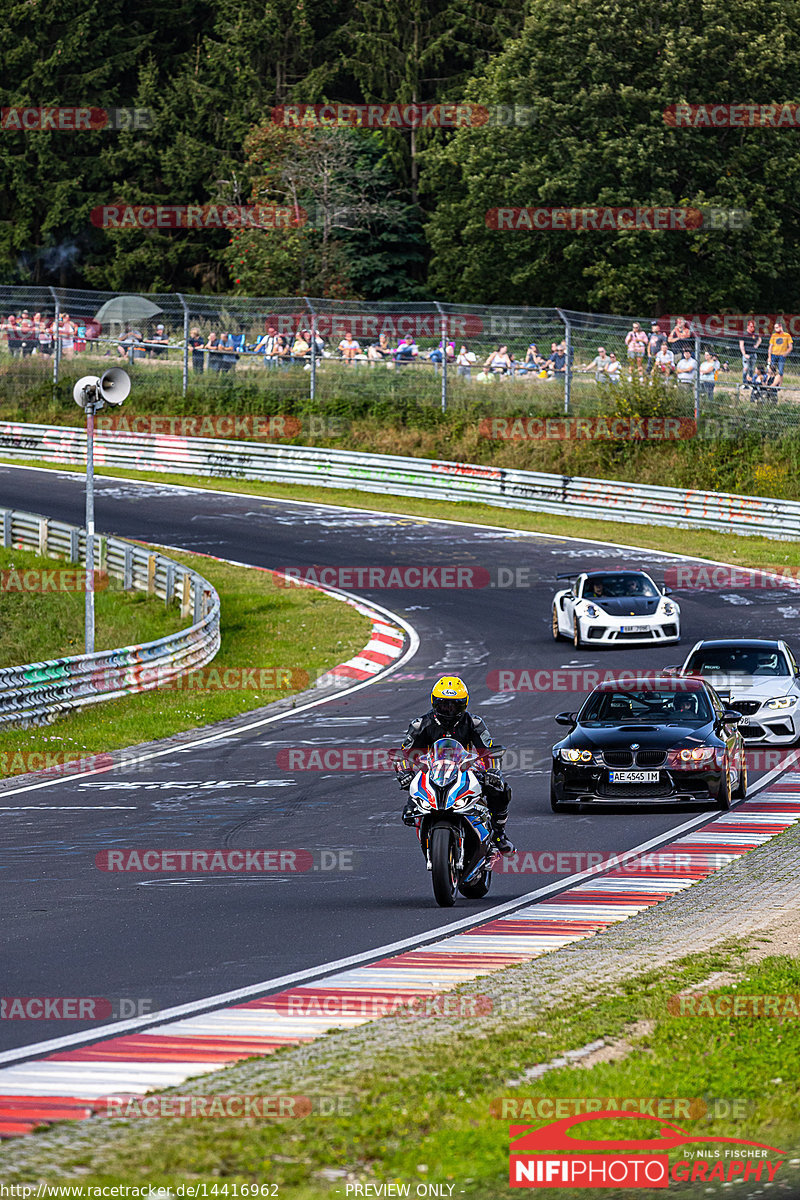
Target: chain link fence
543, 362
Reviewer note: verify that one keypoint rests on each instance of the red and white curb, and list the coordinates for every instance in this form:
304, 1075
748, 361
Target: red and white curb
74, 1083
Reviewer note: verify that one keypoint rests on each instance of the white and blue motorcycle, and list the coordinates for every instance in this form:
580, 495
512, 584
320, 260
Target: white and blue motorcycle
453, 822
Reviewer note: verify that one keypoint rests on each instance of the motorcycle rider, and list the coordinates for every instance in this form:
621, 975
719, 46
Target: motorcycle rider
448, 717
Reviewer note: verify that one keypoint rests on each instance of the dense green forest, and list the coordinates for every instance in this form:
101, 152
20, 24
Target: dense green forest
573, 98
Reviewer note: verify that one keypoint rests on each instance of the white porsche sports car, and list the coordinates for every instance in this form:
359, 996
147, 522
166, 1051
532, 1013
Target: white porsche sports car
758, 677
612, 608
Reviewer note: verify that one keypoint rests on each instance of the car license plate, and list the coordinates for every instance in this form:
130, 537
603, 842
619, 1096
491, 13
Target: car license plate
635, 629
633, 776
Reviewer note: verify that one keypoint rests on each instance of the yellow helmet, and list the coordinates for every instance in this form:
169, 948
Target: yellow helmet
449, 699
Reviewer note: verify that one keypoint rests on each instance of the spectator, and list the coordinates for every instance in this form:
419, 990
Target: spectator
281, 352
197, 345
45, 336
779, 349
708, 373
93, 332
126, 347
681, 338
599, 364
67, 335
301, 346
636, 342
27, 335
159, 338
498, 362
656, 340
407, 350
665, 361
13, 337
214, 356
266, 345
613, 367
228, 357
349, 348
686, 367
465, 361
533, 359
749, 344
557, 360
380, 351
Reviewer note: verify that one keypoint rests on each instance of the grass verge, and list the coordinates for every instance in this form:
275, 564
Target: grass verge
296, 632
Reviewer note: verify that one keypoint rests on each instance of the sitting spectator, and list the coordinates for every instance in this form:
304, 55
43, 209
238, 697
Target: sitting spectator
636, 342
708, 373
301, 346
407, 350
557, 360
613, 367
158, 339
349, 348
465, 361
686, 367
779, 349
380, 351
533, 359
127, 347
499, 361
772, 381
197, 345
665, 362
599, 364
281, 352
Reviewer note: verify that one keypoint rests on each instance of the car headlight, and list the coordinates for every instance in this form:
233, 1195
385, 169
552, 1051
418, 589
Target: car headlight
575, 756
592, 610
781, 702
692, 758
668, 609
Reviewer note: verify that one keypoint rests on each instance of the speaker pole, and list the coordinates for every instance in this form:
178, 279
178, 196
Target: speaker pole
89, 622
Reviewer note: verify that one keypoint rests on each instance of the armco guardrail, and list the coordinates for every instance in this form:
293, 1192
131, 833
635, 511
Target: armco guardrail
418, 477
34, 694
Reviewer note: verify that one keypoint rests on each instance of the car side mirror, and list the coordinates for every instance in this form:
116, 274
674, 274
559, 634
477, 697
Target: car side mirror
570, 595
666, 591
567, 718
730, 717
670, 670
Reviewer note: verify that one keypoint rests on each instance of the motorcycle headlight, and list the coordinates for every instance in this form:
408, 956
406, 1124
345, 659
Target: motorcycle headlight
575, 756
781, 702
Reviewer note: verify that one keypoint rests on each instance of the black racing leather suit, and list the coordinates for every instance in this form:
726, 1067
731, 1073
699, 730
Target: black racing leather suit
473, 735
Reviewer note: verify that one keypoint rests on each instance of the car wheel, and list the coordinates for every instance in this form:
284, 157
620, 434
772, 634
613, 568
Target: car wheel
741, 786
555, 626
577, 640
724, 798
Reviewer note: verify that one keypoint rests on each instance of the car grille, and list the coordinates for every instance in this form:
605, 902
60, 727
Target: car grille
745, 707
670, 630
618, 758
632, 791
642, 758
751, 732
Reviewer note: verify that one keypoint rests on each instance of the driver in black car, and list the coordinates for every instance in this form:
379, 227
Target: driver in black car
449, 717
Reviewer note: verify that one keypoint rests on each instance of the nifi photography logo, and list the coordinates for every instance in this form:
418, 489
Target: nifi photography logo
549, 1156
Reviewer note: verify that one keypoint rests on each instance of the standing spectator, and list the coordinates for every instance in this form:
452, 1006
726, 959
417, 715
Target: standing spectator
67, 335
45, 336
266, 345
349, 348
214, 357
656, 340
599, 364
465, 361
613, 367
779, 349
681, 337
708, 373
27, 335
281, 352
158, 339
686, 367
636, 342
197, 345
80, 337
748, 344
13, 336
228, 358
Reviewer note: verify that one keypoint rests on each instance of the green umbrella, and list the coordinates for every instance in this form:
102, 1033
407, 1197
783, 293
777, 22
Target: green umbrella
126, 309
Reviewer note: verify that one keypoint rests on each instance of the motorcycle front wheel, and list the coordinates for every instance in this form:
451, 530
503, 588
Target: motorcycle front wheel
443, 867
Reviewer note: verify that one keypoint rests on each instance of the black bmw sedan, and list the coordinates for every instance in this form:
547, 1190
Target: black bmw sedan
661, 740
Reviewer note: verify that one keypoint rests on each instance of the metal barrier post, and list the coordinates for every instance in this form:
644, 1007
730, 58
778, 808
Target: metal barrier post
313, 380
568, 364
444, 355
185, 343
57, 346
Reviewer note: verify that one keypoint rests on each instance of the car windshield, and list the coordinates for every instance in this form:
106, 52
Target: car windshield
626, 707
447, 750
618, 586
737, 660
